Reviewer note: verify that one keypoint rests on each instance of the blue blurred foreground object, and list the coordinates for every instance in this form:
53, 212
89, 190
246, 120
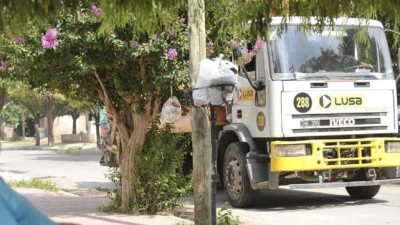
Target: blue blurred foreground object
15, 209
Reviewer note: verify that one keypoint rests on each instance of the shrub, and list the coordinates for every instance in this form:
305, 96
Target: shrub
159, 177
226, 217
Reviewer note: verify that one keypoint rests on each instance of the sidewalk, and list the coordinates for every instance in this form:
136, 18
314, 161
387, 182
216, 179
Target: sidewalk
81, 209
84, 210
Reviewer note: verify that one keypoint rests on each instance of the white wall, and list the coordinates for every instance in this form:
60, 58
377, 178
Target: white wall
63, 125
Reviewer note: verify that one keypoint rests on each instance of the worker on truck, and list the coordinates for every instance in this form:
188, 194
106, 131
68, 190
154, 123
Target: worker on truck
318, 109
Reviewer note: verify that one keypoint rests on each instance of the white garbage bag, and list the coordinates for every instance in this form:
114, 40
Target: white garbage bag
213, 72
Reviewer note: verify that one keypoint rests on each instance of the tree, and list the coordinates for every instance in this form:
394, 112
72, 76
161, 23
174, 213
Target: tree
5, 83
56, 105
33, 102
75, 108
11, 113
131, 77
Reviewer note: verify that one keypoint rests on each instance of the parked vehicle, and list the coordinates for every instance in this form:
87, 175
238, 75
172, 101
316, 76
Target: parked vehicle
315, 108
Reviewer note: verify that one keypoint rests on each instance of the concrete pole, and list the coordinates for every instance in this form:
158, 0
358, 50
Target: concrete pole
201, 132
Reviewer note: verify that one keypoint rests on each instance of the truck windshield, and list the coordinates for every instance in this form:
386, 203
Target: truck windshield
331, 54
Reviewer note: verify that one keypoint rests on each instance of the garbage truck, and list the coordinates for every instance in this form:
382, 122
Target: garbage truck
316, 107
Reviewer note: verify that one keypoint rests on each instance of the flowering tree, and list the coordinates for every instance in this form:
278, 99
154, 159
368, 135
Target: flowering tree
131, 76
17, 15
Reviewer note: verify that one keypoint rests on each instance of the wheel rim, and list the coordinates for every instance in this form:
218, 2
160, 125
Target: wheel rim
233, 176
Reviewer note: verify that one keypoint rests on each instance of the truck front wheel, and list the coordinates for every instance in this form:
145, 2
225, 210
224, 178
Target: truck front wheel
235, 178
363, 192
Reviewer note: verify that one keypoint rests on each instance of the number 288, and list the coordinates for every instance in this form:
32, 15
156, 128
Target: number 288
303, 102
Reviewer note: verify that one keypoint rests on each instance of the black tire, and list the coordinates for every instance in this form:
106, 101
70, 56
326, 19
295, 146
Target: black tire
363, 192
235, 178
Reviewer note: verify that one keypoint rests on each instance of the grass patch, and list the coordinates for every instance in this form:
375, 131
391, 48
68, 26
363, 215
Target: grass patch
20, 143
25, 142
183, 223
73, 149
35, 183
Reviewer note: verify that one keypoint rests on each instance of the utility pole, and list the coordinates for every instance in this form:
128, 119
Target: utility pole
201, 132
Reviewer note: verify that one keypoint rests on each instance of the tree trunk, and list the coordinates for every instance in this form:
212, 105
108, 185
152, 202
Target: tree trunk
88, 124
74, 119
2, 134
50, 118
132, 130
128, 160
23, 134
37, 132
3, 95
74, 125
75, 115
96, 119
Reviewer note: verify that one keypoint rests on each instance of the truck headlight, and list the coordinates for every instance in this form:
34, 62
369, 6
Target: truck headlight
292, 150
392, 147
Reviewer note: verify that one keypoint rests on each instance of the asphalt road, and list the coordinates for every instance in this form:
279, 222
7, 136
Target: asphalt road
332, 206
83, 181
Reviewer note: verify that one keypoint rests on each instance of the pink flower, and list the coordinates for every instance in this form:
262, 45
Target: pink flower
259, 45
96, 11
153, 37
3, 66
134, 44
49, 40
210, 44
172, 54
182, 20
248, 57
210, 47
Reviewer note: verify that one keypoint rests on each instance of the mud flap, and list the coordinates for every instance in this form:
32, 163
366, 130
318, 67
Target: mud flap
258, 170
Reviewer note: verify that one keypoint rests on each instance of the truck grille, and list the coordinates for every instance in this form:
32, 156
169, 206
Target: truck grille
337, 153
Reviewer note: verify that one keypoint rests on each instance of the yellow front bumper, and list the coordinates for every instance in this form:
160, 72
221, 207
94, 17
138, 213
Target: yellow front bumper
370, 152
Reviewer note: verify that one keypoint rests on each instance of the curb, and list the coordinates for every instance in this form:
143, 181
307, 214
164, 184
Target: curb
70, 149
